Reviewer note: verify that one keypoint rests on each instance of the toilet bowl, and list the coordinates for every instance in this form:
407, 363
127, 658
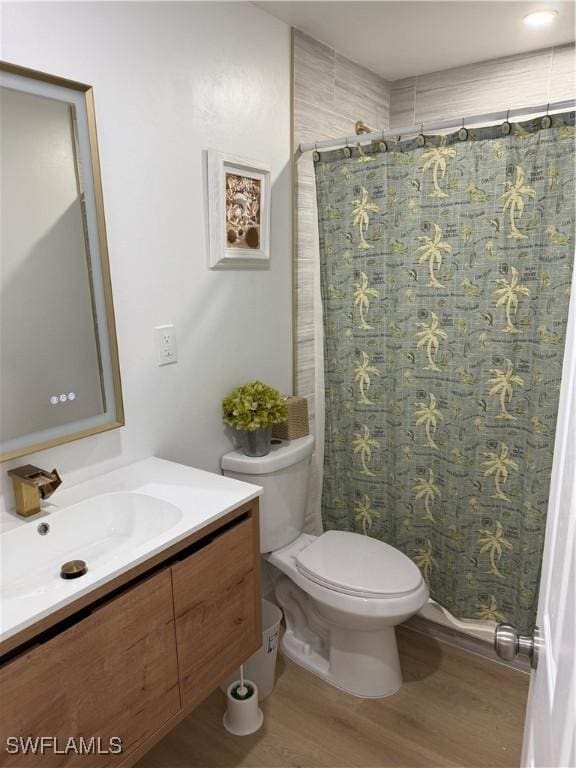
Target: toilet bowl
342, 593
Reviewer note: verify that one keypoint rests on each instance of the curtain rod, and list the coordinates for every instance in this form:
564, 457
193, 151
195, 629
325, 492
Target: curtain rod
489, 117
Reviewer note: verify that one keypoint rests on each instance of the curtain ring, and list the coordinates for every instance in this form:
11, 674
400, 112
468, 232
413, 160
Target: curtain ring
506, 128
381, 145
546, 121
421, 139
315, 154
347, 150
463, 132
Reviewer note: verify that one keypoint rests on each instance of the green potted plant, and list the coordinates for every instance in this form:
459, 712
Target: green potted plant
253, 409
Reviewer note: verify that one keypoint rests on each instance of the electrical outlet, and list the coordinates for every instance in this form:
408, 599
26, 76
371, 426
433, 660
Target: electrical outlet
166, 344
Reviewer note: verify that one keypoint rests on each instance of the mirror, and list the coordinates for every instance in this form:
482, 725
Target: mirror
59, 369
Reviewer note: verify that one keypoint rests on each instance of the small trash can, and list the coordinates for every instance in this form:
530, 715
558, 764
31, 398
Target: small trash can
261, 666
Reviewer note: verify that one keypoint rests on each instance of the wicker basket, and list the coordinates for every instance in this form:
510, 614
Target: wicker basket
296, 425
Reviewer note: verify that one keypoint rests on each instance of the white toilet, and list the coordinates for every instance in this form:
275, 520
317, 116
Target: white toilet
342, 593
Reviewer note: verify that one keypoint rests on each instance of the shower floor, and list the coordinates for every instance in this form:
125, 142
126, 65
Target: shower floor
454, 709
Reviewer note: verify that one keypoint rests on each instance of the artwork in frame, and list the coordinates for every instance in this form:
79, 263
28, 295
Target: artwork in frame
238, 212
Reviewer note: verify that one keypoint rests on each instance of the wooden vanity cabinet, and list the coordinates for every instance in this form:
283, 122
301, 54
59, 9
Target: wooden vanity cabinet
217, 607
112, 674
139, 663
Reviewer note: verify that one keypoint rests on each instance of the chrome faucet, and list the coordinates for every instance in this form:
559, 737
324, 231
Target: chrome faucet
31, 485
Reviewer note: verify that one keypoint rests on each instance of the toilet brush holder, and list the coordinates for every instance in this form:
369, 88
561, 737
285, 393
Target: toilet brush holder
243, 716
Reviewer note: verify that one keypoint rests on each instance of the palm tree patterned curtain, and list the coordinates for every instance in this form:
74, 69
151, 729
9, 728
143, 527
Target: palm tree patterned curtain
445, 275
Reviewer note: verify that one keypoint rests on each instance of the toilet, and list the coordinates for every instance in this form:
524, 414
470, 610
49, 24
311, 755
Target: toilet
342, 593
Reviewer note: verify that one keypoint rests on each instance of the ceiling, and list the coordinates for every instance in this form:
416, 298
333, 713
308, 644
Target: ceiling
400, 39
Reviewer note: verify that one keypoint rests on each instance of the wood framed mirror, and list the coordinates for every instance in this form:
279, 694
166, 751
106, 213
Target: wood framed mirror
59, 368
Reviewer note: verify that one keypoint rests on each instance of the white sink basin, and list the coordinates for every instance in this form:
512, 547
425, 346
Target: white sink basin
100, 531
113, 522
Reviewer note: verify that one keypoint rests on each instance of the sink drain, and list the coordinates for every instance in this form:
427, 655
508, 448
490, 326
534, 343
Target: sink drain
73, 569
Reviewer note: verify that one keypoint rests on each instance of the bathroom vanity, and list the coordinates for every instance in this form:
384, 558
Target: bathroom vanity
168, 608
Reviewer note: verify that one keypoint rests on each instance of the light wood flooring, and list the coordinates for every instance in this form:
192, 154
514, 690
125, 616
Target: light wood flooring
454, 709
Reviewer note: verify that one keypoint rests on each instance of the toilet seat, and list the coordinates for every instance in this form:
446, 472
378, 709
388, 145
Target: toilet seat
365, 612
358, 565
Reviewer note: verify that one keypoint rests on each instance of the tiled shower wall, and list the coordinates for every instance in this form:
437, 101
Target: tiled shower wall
535, 78
330, 94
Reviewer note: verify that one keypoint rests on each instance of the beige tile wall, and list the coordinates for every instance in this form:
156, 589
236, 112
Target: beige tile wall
535, 78
330, 94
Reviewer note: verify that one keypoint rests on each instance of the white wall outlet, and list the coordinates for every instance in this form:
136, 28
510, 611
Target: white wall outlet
166, 344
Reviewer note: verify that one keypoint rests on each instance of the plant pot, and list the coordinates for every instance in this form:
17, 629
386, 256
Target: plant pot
257, 441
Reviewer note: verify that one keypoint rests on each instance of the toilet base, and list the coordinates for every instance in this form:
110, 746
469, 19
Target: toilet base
360, 662
386, 681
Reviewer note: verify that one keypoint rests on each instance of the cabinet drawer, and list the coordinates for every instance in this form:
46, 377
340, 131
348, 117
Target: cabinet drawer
112, 674
217, 607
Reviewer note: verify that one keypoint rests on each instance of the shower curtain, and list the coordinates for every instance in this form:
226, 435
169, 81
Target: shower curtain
445, 274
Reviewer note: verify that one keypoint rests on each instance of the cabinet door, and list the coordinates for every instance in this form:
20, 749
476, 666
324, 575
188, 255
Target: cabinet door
217, 606
112, 674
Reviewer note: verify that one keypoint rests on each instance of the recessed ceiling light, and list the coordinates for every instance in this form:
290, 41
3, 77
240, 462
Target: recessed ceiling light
540, 18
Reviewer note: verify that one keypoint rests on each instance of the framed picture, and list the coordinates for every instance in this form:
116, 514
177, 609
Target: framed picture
238, 212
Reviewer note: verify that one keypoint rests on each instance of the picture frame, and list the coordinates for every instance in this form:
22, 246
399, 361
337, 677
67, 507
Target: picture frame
238, 212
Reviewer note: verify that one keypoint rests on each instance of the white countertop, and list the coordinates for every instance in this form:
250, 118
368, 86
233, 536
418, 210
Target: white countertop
201, 497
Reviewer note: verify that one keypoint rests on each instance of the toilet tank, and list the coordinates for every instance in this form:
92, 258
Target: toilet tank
283, 474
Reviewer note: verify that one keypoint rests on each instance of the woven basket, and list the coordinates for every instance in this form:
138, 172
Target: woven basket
296, 425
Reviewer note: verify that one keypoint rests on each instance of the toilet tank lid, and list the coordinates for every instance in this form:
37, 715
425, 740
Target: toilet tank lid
283, 453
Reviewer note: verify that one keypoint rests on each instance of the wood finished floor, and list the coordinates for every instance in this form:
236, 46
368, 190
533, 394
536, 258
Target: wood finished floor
454, 709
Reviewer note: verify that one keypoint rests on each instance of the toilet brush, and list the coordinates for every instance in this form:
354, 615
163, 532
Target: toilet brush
243, 716
242, 691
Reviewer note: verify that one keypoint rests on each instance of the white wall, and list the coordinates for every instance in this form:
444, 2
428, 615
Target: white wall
170, 80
